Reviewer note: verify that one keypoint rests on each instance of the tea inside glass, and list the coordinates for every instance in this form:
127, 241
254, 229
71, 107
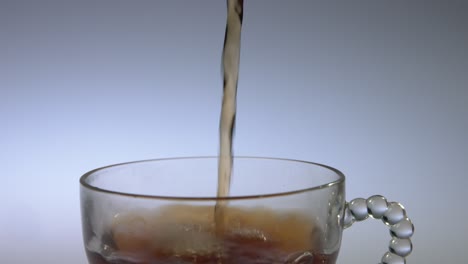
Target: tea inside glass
162, 211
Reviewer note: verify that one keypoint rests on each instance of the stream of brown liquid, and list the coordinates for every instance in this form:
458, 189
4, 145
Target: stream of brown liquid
230, 62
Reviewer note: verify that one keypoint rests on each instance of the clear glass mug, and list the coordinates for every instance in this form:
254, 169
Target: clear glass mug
279, 211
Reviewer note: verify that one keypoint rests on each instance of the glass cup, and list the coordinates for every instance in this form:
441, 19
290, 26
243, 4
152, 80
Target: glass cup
278, 211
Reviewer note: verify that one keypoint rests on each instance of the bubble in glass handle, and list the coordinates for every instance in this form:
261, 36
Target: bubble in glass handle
377, 206
401, 246
402, 229
390, 258
358, 209
393, 215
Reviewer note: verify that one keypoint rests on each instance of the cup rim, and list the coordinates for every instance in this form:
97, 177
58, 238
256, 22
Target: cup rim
86, 185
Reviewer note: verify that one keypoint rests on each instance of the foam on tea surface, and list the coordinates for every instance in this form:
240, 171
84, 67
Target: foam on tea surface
189, 232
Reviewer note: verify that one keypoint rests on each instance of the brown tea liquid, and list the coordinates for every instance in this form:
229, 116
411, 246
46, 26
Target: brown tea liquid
187, 234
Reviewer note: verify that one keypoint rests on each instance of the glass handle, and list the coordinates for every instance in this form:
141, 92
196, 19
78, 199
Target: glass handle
393, 215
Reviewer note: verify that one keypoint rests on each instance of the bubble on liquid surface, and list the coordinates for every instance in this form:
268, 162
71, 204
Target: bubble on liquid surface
178, 238
251, 234
185, 239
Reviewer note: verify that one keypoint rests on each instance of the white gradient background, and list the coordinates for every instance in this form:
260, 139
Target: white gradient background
377, 89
